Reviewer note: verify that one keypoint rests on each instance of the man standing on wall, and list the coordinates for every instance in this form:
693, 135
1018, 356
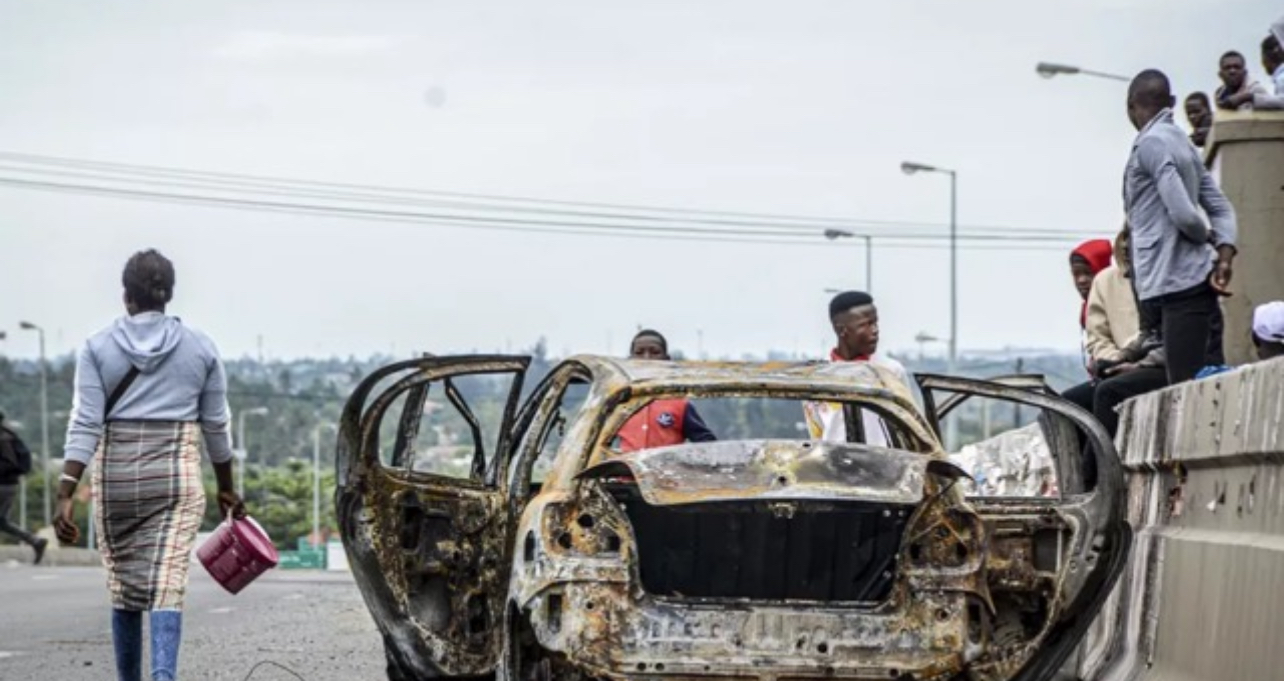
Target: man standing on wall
1180, 264
1238, 88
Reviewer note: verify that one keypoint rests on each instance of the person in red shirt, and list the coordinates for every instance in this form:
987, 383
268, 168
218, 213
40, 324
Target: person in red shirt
664, 422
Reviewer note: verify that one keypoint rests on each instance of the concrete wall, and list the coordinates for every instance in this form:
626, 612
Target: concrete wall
1246, 152
1203, 597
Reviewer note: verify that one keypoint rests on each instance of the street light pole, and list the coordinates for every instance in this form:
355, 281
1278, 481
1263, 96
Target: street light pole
44, 421
869, 263
240, 443
316, 480
836, 234
909, 168
22, 482
954, 280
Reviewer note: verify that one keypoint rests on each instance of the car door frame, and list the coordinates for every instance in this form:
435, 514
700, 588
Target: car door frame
371, 521
1101, 552
540, 412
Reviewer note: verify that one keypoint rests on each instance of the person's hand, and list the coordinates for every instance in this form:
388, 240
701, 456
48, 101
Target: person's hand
1103, 368
1238, 100
1221, 276
1122, 368
65, 522
230, 504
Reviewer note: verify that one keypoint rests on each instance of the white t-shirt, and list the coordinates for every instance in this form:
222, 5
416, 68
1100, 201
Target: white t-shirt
826, 421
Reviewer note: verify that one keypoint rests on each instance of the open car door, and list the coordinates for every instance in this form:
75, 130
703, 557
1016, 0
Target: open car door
423, 511
1078, 537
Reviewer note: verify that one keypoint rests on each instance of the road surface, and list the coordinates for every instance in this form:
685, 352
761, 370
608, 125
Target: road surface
56, 625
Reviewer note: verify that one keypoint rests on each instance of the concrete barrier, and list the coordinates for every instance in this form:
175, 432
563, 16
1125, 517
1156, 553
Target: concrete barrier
1200, 600
1246, 154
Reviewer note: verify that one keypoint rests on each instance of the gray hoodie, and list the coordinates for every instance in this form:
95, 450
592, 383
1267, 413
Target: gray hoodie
180, 379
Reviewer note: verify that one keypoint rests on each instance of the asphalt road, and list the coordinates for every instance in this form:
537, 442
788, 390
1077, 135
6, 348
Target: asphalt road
55, 624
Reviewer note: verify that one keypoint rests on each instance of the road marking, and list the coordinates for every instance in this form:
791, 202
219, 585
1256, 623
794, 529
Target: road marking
45, 578
7, 653
221, 611
293, 597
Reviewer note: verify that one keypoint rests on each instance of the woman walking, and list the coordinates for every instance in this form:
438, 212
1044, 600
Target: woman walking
145, 386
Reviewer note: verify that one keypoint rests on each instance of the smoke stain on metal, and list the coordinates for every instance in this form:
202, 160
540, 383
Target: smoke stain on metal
757, 559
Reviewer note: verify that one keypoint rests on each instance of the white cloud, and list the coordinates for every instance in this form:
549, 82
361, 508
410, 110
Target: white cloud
254, 45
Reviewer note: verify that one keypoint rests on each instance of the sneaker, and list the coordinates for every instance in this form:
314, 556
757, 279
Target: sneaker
40, 546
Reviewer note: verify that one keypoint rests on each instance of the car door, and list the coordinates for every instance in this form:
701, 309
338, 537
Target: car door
1079, 534
421, 504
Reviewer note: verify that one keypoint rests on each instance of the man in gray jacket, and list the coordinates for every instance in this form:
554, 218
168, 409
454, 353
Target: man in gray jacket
1181, 264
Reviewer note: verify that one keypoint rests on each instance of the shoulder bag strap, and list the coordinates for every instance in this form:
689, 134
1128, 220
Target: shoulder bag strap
120, 390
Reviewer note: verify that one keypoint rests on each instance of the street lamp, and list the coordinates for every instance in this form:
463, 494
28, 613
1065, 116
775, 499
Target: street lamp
243, 453
910, 168
1050, 70
44, 420
923, 338
316, 478
836, 234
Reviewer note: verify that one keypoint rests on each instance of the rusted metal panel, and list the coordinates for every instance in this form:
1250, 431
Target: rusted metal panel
782, 470
1199, 602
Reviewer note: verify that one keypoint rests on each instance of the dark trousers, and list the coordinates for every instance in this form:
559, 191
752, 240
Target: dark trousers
1187, 319
1113, 391
9, 493
1191, 325
1081, 394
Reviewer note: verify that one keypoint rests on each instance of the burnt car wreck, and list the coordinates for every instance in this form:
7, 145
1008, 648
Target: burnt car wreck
551, 554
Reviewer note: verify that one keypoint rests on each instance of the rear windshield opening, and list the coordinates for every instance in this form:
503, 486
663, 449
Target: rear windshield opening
665, 422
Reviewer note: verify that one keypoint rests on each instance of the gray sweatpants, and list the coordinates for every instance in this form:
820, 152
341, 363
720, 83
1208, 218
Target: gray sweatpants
8, 495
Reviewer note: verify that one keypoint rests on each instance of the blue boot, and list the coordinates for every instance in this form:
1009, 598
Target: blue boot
127, 638
167, 634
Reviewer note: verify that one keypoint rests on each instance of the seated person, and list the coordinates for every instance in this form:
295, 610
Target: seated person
663, 422
1268, 330
1087, 261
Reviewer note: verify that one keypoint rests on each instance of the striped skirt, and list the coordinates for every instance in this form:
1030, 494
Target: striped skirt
149, 502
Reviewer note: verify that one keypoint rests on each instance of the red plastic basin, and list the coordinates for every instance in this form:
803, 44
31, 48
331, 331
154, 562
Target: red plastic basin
237, 553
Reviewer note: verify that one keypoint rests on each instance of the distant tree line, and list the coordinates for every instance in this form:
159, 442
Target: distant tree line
303, 395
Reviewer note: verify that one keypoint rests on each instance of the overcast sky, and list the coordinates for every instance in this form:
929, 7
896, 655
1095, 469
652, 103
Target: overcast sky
796, 107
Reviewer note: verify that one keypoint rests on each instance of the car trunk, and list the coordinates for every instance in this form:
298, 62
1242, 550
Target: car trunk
767, 520
759, 550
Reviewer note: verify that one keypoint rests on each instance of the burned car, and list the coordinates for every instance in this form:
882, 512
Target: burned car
543, 550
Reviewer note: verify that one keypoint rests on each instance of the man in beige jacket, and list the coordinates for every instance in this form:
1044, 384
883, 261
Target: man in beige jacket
1112, 321
1123, 365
